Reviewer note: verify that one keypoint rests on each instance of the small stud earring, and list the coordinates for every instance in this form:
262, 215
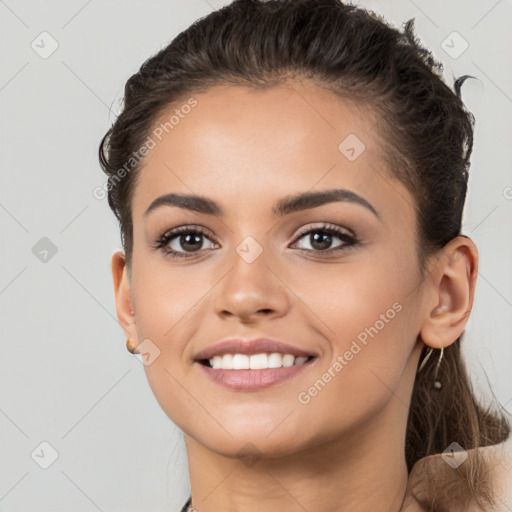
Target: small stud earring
131, 346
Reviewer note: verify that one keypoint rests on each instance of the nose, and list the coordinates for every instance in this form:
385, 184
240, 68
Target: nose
250, 292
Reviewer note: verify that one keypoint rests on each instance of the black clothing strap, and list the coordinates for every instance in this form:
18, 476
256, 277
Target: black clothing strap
184, 509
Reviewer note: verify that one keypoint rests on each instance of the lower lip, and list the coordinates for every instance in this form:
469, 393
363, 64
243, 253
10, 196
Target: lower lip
253, 380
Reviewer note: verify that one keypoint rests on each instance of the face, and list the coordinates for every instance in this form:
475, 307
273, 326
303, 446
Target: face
337, 278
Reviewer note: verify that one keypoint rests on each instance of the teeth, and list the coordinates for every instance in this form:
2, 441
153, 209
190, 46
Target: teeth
255, 361
258, 361
275, 361
240, 362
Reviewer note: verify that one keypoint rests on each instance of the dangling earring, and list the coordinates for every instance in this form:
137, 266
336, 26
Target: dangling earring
437, 383
130, 346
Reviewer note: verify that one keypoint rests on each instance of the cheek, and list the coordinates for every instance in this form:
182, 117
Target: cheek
362, 297
368, 316
165, 298
364, 375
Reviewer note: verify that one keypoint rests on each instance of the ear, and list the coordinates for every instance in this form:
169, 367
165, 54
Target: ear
122, 290
451, 291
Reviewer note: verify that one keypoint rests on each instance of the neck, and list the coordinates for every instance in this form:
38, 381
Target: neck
363, 470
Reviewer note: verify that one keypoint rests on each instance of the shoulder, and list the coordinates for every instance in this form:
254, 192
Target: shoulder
499, 457
438, 468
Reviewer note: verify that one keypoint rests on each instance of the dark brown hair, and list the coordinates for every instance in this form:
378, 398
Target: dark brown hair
422, 125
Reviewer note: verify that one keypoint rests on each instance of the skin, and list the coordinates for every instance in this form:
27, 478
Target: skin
246, 150
499, 461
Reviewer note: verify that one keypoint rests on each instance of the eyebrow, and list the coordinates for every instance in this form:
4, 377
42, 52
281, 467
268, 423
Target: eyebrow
285, 206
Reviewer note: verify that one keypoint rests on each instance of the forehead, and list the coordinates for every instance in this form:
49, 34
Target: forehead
243, 143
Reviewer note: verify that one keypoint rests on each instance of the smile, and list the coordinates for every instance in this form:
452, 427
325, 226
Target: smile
252, 373
254, 362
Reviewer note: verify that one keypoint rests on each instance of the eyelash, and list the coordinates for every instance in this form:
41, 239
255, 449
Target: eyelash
350, 240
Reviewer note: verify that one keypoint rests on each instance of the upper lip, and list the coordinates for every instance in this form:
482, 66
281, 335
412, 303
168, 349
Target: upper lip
249, 347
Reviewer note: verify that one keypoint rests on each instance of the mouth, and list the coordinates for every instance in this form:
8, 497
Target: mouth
251, 365
255, 362
254, 373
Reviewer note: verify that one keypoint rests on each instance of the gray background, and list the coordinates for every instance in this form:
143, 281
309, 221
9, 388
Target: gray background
65, 375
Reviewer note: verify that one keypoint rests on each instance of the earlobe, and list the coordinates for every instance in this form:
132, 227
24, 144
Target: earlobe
123, 298
453, 288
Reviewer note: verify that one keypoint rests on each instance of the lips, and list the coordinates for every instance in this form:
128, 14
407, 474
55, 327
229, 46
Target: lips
250, 347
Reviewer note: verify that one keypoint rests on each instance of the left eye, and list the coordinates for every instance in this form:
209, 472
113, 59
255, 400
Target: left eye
320, 239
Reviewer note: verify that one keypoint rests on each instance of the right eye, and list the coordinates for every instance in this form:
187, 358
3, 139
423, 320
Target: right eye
184, 236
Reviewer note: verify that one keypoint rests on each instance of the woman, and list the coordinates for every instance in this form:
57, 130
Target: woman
289, 177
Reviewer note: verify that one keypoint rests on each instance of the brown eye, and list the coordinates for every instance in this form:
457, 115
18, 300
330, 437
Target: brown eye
182, 241
190, 241
321, 238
